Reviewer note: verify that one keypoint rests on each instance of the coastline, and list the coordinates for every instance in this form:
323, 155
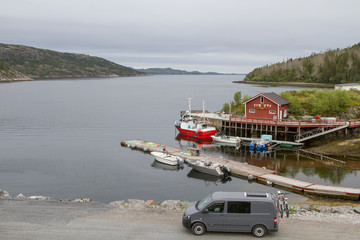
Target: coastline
312, 207
138, 219
299, 84
67, 78
338, 148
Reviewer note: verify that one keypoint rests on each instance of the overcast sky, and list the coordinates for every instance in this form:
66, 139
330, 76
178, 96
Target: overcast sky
230, 36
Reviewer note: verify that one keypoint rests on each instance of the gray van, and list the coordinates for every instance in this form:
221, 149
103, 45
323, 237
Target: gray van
233, 212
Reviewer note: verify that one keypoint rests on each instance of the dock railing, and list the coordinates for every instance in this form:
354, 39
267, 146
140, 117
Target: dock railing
332, 122
291, 123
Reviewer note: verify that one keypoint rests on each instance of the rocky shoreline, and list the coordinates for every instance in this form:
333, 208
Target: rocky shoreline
338, 147
321, 212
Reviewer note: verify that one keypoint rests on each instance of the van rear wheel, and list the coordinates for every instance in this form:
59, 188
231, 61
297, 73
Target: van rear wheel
198, 229
259, 231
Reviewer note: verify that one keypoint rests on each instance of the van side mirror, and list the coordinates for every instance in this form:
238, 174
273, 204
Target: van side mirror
205, 210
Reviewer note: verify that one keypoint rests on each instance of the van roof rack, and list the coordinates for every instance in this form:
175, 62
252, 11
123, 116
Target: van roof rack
255, 194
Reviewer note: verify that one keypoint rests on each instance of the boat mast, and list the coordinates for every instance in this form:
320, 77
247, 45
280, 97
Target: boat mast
190, 107
204, 110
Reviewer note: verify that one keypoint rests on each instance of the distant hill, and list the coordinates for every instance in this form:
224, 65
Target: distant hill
170, 71
47, 64
334, 67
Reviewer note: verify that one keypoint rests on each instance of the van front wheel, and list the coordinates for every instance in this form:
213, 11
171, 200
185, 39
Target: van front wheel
259, 231
198, 229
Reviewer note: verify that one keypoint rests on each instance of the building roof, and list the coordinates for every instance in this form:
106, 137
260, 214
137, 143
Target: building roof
277, 98
272, 96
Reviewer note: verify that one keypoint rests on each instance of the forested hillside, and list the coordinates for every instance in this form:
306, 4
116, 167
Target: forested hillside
334, 66
8, 74
47, 64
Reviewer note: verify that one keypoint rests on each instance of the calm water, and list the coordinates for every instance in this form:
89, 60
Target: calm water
62, 139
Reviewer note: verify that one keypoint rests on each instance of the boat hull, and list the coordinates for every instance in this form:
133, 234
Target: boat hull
201, 167
197, 133
165, 158
228, 140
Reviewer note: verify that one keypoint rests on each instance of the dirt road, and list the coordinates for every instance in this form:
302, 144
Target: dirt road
34, 219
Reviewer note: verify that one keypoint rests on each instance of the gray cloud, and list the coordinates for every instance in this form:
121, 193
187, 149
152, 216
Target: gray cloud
205, 35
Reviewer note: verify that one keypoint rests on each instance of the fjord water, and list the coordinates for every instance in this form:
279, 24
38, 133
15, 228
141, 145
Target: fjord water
61, 138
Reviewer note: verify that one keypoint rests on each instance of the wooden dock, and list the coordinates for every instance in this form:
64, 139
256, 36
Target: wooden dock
284, 129
284, 144
265, 176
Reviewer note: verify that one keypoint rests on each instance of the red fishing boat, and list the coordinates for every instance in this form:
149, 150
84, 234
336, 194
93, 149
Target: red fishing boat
190, 126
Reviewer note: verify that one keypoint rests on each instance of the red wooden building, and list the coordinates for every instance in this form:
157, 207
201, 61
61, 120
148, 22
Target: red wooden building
266, 106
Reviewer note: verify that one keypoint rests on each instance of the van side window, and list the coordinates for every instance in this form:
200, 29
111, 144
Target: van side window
239, 207
217, 207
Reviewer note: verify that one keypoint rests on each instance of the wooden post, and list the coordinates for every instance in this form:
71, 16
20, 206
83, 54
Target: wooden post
241, 129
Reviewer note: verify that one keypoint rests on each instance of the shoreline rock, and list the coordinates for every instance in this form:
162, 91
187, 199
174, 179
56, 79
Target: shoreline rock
150, 204
316, 212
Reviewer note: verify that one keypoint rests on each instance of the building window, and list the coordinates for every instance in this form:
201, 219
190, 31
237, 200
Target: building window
262, 99
251, 110
272, 111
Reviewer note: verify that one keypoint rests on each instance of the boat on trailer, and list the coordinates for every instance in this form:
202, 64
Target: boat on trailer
167, 158
190, 126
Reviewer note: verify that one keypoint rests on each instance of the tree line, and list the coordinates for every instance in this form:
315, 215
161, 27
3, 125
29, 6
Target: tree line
334, 67
308, 102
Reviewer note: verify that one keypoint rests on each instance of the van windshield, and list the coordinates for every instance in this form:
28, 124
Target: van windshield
203, 203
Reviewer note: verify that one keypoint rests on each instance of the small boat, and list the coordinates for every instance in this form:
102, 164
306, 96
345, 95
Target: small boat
221, 138
190, 126
167, 158
208, 167
261, 145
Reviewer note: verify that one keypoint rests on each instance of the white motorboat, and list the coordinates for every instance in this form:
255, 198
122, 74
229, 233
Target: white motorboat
222, 138
208, 167
167, 158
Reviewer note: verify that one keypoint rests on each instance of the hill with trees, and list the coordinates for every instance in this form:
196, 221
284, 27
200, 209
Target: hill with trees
47, 64
334, 67
8, 74
338, 103
343, 104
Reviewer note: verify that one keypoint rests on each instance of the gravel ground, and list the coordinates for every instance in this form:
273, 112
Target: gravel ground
135, 219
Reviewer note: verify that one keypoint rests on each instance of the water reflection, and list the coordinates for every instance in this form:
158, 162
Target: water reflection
166, 167
288, 163
207, 178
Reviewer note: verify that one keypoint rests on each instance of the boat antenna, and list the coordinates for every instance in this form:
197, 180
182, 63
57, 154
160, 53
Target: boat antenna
190, 107
204, 110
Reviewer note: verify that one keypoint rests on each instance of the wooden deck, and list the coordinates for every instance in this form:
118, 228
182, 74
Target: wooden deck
265, 176
280, 123
296, 123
